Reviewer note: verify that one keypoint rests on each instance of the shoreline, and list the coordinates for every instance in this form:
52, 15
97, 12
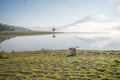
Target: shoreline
59, 51
4, 35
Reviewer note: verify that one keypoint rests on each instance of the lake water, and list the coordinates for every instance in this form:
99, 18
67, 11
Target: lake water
85, 41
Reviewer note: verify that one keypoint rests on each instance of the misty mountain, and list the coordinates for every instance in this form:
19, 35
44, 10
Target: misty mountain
6, 27
93, 23
92, 18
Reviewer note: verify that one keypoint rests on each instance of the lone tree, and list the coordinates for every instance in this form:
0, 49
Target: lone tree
53, 29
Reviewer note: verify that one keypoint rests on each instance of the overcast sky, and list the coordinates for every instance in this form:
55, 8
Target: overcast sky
54, 12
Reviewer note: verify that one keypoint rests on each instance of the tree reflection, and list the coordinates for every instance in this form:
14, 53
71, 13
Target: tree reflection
53, 35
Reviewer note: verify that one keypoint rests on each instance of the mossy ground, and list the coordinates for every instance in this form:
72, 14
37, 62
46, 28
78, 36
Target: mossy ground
55, 65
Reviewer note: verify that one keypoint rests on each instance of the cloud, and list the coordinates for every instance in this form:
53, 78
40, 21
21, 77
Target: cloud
91, 27
115, 3
119, 8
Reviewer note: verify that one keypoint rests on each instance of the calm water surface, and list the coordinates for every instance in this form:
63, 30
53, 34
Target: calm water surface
86, 41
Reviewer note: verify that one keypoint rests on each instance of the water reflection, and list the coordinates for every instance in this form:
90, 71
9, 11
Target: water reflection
53, 35
92, 40
63, 41
4, 38
101, 41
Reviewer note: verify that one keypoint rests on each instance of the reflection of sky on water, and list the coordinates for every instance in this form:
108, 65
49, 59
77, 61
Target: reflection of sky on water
101, 41
63, 41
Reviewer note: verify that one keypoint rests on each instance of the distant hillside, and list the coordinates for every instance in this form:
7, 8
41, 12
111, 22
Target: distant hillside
5, 27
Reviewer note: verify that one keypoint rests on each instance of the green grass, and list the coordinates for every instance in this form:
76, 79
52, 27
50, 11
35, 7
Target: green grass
55, 65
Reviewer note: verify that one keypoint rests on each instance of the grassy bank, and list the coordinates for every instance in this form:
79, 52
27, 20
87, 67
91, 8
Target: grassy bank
55, 65
19, 33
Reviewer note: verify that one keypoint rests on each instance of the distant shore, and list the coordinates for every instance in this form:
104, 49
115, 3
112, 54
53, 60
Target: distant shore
21, 33
9, 34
